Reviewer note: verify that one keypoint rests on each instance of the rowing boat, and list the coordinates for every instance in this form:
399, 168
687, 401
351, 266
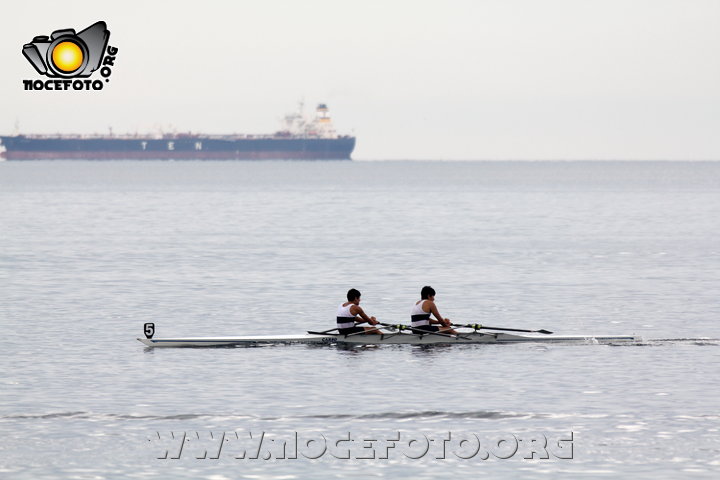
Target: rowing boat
386, 339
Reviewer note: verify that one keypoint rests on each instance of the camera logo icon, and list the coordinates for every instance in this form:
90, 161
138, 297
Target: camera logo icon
67, 54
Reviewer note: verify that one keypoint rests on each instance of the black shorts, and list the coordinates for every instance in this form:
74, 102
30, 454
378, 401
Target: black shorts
348, 331
427, 328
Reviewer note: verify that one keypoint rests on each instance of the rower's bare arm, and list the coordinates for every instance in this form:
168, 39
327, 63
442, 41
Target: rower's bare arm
434, 310
363, 315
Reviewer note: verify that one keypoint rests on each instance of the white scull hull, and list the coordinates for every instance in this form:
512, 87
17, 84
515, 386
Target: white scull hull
233, 341
415, 339
386, 339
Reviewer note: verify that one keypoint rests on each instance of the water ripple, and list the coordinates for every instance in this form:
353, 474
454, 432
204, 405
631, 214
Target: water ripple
392, 415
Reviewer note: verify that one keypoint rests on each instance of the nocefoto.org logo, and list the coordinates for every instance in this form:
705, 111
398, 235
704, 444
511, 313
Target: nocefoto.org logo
68, 57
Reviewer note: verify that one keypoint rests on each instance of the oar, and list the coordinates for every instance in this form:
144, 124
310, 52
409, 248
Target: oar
385, 325
477, 326
326, 331
317, 333
422, 332
366, 332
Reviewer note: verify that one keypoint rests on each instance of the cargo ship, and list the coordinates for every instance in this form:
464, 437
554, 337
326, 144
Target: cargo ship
299, 139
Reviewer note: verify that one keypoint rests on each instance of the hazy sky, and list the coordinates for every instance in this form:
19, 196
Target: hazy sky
522, 79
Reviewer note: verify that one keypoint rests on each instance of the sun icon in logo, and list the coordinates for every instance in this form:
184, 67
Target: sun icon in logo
67, 56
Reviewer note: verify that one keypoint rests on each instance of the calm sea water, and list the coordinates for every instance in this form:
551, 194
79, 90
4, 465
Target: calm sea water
89, 251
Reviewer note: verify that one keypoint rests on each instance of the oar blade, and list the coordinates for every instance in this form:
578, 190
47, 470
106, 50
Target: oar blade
477, 326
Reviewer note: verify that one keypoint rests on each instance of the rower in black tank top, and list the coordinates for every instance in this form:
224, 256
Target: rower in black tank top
349, 314
421, 312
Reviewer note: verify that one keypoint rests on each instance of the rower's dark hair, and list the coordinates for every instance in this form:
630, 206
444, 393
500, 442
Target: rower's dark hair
427, 292
353, 294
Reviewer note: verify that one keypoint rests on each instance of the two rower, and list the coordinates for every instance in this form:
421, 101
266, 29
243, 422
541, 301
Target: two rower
348, 312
